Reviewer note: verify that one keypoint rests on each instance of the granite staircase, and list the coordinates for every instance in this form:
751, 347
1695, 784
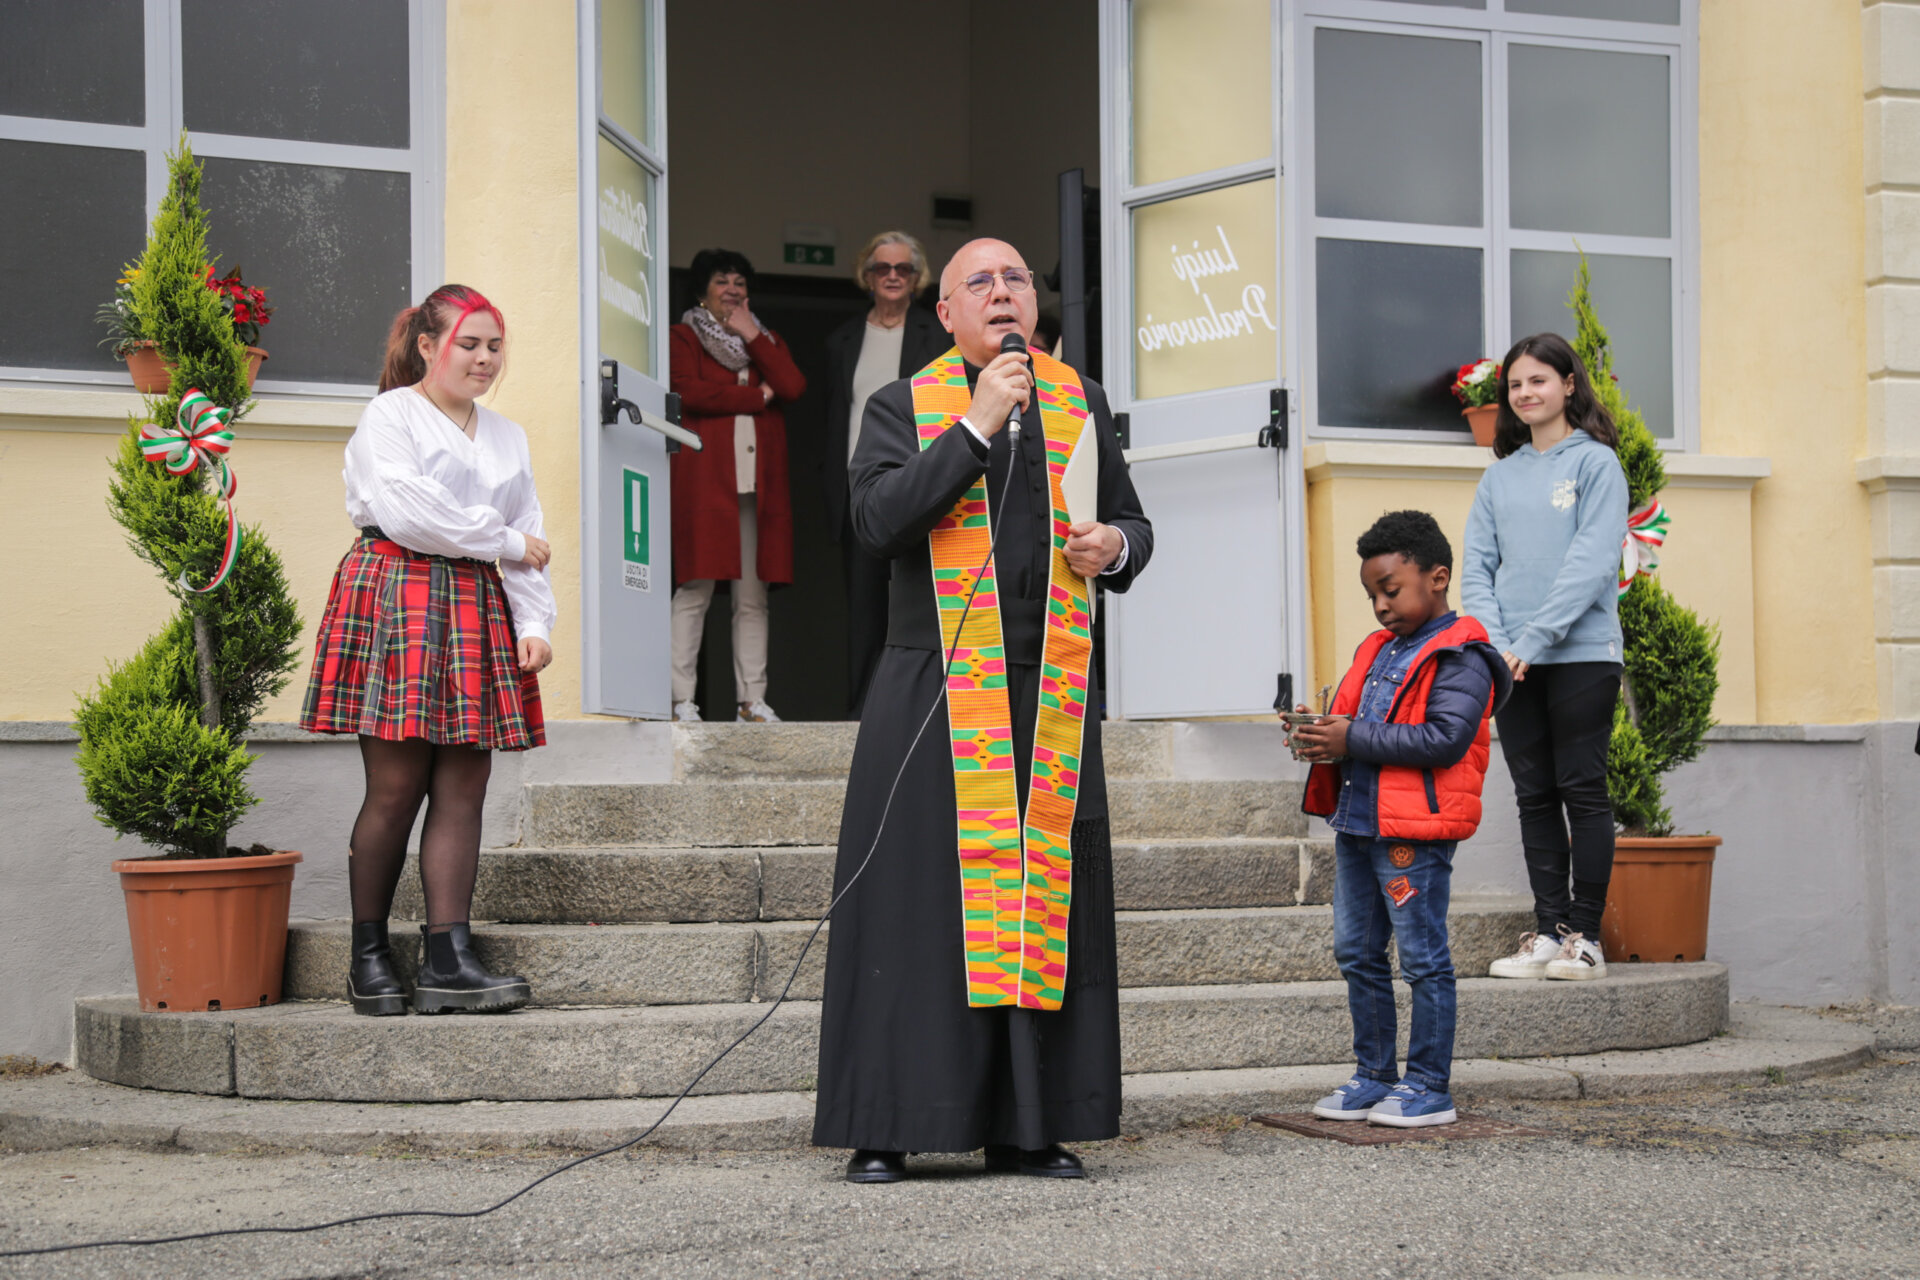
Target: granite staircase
655, 920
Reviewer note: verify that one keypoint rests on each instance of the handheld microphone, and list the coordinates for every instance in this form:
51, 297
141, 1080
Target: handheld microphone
1014, 342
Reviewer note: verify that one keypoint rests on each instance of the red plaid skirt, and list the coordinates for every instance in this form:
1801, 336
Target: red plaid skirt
419, 646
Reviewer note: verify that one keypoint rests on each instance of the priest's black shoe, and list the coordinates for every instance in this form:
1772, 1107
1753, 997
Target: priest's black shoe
452, 979
877, 1166
372, 984
1048, 1162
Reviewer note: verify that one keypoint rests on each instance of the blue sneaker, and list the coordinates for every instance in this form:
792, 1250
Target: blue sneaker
1411, 1105
1352, 1100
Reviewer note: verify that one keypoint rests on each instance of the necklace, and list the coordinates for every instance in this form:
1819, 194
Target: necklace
471, 407
881, 324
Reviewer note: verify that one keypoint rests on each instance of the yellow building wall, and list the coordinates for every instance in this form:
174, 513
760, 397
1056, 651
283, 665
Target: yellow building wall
512, 232
82, 598
1783, 335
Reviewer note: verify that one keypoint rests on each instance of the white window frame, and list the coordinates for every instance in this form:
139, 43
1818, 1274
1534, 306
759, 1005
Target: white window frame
423, 160
1497, 31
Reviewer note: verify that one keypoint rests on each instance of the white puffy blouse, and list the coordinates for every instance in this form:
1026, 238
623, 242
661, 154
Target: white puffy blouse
414, 473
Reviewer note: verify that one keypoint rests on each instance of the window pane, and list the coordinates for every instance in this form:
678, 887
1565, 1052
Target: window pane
333, 249
625, 60
1634, 297
1205, 303
82, 212
1396, 124
1590, 141
1202, 86
1396, 322
1451, 4
332, 72
41, 74
627, 269
1662, 11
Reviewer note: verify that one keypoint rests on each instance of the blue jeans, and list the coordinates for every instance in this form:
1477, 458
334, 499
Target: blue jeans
1387, 888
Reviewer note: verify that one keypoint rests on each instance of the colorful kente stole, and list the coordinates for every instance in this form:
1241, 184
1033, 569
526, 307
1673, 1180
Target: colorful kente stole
1016, 880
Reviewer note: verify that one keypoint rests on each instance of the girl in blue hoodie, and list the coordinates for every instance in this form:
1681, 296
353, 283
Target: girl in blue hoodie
1540, 573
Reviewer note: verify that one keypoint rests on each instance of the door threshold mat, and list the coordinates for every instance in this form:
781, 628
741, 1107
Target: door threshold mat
1359, 1133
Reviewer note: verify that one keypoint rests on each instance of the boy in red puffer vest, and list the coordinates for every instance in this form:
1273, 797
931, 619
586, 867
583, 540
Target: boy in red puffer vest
1397, 770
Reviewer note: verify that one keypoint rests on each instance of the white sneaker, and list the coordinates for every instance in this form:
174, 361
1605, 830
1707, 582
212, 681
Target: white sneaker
1580, 960
688, 710
1530, 961
757, 712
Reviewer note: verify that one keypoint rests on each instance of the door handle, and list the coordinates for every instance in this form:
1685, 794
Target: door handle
612, 406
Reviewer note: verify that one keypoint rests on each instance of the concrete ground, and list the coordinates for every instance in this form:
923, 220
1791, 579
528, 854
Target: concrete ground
1819, 1177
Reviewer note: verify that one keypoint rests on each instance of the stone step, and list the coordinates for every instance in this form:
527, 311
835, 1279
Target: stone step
689, 885
719, 963
755, 814
823, 752
323, 1051
1764, 1045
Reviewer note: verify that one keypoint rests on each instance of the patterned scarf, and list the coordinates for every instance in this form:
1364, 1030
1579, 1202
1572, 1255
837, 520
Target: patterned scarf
722, 343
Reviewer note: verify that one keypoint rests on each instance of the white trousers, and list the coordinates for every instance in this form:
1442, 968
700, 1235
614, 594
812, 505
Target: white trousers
690, 603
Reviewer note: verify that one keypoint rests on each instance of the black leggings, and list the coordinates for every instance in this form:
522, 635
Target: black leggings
1554, 731
400, 775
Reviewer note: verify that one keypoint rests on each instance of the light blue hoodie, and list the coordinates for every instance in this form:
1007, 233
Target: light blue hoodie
1542, 559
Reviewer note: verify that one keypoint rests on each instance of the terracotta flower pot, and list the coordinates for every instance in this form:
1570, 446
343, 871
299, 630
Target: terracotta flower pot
1657, 902
1481, 419
151, 373
208, 933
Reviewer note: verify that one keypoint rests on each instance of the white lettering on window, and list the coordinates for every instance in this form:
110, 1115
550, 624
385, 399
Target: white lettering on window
1215, 325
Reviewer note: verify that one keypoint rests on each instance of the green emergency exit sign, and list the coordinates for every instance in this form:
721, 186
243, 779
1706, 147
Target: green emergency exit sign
636, 570
808, 255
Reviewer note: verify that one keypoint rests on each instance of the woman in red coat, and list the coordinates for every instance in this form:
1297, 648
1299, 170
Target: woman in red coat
731, 517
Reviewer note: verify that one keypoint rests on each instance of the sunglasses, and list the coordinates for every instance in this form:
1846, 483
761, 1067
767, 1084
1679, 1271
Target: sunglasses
980, 283
904, 270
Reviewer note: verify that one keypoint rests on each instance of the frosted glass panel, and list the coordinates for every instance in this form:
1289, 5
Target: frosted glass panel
1666, 12
328, 72
627, 269
1396, 125
83, 212
1202, 86
1206, 302
625, 61
1634, 297
74, 60
333, 249
1590, 141
1396, 322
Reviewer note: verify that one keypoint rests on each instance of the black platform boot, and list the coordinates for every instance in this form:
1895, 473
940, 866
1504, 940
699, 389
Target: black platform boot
372, 984
452, 980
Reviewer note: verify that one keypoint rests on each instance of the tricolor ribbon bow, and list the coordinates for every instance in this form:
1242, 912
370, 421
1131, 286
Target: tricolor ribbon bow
201, 436
1640, 549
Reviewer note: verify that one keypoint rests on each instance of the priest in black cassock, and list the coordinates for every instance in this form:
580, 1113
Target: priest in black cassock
955, 1019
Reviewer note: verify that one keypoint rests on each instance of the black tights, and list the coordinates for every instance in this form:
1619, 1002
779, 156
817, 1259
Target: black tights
453, 780
1554, 731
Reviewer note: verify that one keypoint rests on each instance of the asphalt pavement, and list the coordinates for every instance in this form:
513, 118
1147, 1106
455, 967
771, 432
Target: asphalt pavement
1815, 1178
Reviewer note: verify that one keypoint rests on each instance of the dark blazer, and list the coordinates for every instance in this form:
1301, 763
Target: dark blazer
925, 338
900, 492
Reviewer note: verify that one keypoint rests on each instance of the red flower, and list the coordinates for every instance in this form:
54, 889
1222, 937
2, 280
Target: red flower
240, 312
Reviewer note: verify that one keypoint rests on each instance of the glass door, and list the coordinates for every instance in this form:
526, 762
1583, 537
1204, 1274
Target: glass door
1194, 335
626, 512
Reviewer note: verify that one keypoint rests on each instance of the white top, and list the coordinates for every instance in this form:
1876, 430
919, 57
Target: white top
412, 472
744, 436
878, 365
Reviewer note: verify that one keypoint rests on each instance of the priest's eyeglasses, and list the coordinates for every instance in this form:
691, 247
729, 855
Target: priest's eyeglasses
980, 283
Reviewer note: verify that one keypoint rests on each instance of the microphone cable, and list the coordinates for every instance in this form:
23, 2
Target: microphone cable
993, 541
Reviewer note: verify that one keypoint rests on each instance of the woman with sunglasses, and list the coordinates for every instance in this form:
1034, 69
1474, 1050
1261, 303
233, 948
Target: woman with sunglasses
893, 340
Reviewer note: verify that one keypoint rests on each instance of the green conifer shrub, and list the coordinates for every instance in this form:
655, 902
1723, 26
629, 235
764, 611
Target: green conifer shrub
1672, 658
161, 738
